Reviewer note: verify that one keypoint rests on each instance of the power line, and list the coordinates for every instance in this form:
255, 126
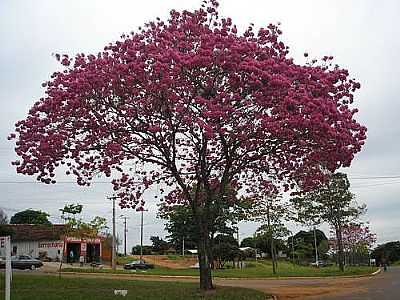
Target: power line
375, 177
37, 182
373, 185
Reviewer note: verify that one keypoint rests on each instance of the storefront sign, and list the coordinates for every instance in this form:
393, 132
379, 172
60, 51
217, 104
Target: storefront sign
51, 245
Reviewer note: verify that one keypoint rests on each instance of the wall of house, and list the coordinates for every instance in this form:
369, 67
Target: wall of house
53, 249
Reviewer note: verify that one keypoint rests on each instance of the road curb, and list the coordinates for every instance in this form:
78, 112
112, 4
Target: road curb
125, 275
376, 272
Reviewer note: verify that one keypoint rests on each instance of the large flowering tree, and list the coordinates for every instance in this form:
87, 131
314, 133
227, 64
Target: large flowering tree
198, 104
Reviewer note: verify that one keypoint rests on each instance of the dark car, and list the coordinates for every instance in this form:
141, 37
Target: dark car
23, 262
138, 264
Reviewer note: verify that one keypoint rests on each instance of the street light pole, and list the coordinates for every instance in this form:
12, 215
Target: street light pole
113, 260
141, 233
125, 232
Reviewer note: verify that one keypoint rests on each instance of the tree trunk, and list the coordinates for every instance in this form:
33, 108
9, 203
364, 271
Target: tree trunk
271, 236
61, 260
340, 247
204, 253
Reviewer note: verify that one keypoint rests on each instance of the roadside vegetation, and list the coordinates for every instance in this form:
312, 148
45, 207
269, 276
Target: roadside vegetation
259, 269
44, 287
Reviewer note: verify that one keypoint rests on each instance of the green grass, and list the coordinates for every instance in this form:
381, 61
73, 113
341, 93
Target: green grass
260, 269
45, 287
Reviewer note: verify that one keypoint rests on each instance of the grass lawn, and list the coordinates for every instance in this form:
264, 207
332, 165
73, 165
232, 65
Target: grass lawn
45, 287
258, 269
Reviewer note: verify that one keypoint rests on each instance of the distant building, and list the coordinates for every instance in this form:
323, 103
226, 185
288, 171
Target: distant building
48, 242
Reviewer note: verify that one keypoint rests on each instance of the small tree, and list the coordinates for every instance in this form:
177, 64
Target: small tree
332, 203
3, 217
6, 230
387, 253
30, 216
159, 245
357, 242
181, 224
269, 209
76, 227
274, 232
302, 245
225, 249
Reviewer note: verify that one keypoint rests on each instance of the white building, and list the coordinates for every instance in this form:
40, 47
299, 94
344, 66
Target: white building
44, 241
48, 242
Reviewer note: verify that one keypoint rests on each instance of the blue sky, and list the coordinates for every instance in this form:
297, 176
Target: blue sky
362, 35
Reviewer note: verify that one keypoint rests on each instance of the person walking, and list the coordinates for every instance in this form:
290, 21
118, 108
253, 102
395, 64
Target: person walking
81, 260
71, 257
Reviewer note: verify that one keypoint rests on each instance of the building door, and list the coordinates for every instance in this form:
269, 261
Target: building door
93, 253
73, 252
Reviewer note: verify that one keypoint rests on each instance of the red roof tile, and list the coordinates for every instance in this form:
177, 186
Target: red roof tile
33, 232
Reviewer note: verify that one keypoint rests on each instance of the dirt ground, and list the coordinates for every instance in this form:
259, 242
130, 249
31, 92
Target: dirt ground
164, 261
286, 289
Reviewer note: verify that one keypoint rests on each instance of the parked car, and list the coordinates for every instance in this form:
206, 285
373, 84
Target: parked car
22, 262
138, 264
195, 266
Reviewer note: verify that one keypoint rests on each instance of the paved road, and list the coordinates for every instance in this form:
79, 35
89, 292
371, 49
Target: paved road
386, 286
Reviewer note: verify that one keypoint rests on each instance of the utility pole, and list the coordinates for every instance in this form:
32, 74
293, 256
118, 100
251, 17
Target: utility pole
113, 260
183, 238
141, 233
316, 249
125, 231
255, 245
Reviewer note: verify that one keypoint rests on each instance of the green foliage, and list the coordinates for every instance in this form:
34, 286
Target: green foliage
277, 230
225, 249
147, 250
3, 217
180, 225
262, 242
6, 230
72, 209
304, 245
79, 228
323, 248
248, 242
30, 216
387, 253
332, 203
159, 245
